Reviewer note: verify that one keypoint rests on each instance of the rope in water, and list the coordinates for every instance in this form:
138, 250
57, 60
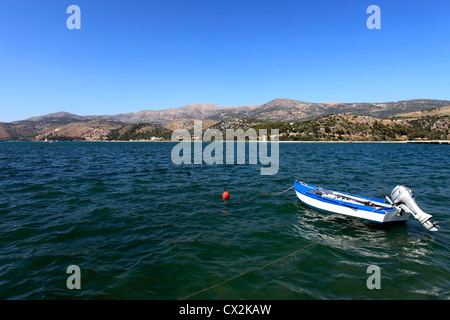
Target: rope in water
276, 194
266, 265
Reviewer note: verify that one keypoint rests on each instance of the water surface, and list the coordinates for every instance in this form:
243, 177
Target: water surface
140, 227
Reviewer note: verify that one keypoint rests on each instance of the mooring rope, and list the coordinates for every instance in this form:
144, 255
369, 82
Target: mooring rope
277, 194
266, 265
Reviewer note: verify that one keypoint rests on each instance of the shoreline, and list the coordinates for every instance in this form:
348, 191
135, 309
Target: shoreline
384, 141
442, 142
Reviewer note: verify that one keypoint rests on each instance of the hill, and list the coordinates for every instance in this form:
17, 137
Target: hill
292, 110
139, 131
188, 124
95, 130
346, 127
443, 111
192, 111
68, 126
276, 110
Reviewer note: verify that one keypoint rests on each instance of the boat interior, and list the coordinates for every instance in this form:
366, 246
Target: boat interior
351, 199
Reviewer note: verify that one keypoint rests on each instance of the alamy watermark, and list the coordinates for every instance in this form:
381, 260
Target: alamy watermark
74, 20
374, 280
374, 21
74, 280
238, 139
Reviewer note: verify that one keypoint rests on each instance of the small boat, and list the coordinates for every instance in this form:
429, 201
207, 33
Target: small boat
397, 210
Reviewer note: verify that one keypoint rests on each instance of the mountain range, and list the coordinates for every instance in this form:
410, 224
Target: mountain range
60, 124
276, 110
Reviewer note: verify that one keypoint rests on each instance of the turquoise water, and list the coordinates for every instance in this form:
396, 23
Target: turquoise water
140, 227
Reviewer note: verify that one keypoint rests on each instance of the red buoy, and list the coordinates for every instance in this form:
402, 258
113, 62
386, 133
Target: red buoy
225, 195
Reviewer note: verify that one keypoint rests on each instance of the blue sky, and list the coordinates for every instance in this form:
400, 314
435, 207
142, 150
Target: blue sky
138, 55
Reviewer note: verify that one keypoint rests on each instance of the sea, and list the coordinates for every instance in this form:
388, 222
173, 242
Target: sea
105, 220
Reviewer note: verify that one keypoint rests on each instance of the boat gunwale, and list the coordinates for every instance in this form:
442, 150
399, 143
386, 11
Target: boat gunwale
340, 202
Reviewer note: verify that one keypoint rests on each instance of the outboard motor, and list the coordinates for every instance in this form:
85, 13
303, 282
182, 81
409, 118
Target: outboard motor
403, 197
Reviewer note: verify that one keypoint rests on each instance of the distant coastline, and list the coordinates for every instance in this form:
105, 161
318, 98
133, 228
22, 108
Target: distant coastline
420, 119
441, 142
385, 141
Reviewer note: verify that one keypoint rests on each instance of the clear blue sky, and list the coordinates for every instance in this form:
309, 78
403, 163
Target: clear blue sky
137, 55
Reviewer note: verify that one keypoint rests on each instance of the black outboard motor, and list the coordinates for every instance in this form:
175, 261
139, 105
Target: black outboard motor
403, 197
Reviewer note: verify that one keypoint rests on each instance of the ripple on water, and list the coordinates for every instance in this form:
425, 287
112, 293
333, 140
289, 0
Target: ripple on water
141, 227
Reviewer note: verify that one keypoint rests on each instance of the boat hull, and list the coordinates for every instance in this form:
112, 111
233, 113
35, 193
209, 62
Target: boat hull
382, 214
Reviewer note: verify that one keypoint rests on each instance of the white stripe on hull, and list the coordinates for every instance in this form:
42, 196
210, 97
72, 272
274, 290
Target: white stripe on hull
390, 216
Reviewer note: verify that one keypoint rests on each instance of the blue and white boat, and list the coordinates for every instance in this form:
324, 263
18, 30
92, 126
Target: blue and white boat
398, 210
